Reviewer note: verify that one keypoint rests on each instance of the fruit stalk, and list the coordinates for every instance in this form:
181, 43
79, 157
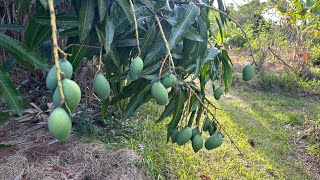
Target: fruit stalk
55, 49
136, 27
100, 59
166, 43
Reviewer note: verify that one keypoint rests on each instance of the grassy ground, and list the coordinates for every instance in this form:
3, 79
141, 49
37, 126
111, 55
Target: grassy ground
269, 119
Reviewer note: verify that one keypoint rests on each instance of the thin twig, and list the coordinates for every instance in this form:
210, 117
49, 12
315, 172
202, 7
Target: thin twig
136, 27
165, 42
209, 111
65, 55
278, 57
100, 58
96, 47
162, 64
55, 50
245, 34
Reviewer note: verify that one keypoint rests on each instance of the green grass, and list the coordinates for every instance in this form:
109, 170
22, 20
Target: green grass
259, 116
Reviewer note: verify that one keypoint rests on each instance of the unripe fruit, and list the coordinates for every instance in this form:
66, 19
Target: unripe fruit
184, 136
72, 94
159, 93
195, 131
169, 81
213, 141
206, 124
218, 92
248, 72
101, 86
174, 134
197, 142
212, 129
136, 68
51, 80
59, 124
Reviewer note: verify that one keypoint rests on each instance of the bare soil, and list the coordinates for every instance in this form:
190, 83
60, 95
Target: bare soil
34, 155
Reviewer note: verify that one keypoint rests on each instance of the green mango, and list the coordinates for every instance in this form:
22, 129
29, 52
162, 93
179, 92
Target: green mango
248, 72
197, 142
65, 67
195, 131
59, 124
169, 81
218, 92
72, 94
136, 68
206, 124
184, 136
174, 134
101, 86
159, 93
213, 141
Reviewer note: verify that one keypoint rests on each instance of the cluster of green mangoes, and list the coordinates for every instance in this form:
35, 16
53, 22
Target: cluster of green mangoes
247, 74
185, 134
59, 122
158, 89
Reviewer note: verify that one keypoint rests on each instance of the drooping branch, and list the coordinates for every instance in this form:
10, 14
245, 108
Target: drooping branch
213, 115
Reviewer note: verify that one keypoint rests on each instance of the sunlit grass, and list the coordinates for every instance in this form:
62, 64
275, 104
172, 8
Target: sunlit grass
248, 115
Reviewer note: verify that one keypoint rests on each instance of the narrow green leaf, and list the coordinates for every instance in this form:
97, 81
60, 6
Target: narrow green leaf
21, 53
100, 35
12, 27
61, 21
113, 54
183, 24
4, 117
127, 9
22, 6
147, 40
86, 17
168, 110
136, 101
36, 34
78, 52
9, 94
9, 63
72, 32
110, 29
227, 73
212, 53
148, 3
192, 34
178, 111
102, 7
198, 68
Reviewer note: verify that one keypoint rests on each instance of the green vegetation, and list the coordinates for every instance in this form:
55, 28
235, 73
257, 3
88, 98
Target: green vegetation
250, 115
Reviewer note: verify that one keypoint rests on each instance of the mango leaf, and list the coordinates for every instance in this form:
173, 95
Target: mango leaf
148, 3
102, 4
61, 21
168, 110
36, 34
12, 27
9, 94
21, 53
4, 117
222, 8
178, 111
113, 54
72, 32
192, 34
147, 40
136, 101
22, 6
183, 24
212, 53
227, 72
127, 9
110, 29
78, 52
86, 16
198, 68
